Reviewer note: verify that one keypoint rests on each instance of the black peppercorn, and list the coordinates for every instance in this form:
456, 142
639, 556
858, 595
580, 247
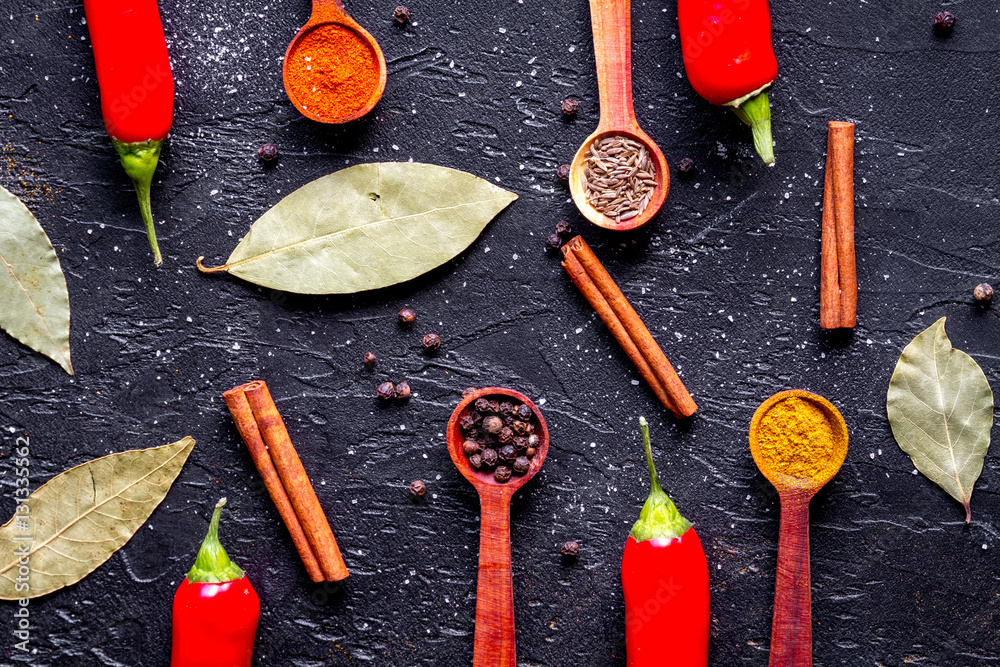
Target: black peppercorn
476, 461
553, 241
385, 391
944, 23
494, 406
418, 488
470, 447
468, 391
721, 150
521, 428
401, 15
506, 436
482, 405
268, 152
502, 474
403, 391
983, 293
533, 441
570, 549
466, 422
370, 359
520, 444
570, 107
432, 343
406, 317
506, 408
490, 457
530, 452
507, 453
562, 172
521, 464
563, 229
493, 424
685, 166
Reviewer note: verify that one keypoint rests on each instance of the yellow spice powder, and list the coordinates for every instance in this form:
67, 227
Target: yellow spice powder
796, 438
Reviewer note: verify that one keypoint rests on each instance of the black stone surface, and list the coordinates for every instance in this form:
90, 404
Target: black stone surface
726, 278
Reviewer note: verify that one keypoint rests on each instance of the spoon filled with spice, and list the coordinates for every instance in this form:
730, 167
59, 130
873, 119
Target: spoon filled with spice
619, 178
497, 438
334, 70
799, 442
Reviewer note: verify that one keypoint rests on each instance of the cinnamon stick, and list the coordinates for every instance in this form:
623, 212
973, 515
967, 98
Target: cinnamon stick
294, 480
600, 290
838, 195
239, 408
829, 276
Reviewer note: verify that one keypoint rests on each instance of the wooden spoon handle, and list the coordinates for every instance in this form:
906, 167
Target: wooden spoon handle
328, 11
791, 629
611, 21
495, 595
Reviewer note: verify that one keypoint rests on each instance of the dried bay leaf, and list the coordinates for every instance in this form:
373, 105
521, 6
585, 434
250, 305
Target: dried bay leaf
941, 411
366, 227
79, 518
34, 301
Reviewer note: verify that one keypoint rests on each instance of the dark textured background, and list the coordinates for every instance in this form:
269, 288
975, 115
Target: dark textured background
726, 278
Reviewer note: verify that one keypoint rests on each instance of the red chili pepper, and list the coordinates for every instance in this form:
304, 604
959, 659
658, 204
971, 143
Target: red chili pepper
730, 60
215, 609
665, 579
137, 89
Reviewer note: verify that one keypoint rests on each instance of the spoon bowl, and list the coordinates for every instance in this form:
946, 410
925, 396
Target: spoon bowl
791, 628
329, 16
611, 21
494, 641
579, 194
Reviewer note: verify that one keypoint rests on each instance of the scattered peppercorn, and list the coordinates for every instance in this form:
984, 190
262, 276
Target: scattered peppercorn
469, 391
492, 424
562, 172
563, 229
721, 150
370, 359
407, 317
983, 293
268, 152
570, 107
521, 465
685, 166
470, 447
401, 15
570, 549
385, 391
554, 242
502, 474
944, 23
418, 488
489, 457
403, 391
432, 343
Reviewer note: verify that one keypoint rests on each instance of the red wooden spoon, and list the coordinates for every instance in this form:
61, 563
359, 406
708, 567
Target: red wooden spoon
791, 628
611, 21
331, 13
495, 594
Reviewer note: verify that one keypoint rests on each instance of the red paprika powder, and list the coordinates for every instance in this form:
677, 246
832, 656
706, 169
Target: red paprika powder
333, 72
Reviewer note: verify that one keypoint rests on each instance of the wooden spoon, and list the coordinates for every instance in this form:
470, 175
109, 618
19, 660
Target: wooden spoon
791, 629
611, 21
331, 13
494, 645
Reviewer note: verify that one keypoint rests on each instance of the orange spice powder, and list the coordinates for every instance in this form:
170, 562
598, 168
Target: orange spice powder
333, 72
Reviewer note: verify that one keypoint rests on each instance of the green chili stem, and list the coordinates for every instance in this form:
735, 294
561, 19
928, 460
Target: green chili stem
140, 160
756, 113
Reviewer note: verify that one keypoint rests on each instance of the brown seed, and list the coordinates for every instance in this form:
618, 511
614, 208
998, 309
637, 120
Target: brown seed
521, 464
418, 488
563, 229
520, 444
401, 15
385, 391
370, 359
570, 107
467, 422
403, 391
507, 453
530, 452
553, 242
506, 436
268, 152
432, 343
502, 474
406, 317
493, 424
490, 457
469, 391
983, 293
562, 172
476, 461
570, 549
470, 447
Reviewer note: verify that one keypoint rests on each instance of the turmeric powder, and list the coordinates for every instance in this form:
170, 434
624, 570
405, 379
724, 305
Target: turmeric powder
797, 438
